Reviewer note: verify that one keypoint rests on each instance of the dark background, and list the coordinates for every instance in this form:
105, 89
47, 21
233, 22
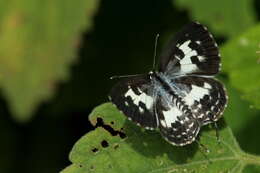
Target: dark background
120, 42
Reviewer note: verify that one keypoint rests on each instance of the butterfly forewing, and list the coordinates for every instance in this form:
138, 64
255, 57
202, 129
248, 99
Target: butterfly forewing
134, 96
192, 51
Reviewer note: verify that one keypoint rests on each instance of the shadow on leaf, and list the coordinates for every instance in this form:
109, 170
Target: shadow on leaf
151, 144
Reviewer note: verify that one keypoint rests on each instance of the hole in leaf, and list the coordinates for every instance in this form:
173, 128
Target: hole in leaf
112, 122
94, 150
104, 144
91, 167
100, 123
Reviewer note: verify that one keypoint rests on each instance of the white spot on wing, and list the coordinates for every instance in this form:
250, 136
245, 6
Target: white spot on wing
188, 68
188, 52
198, 42
201, 58
163, 123
185, 47
141, 109
146, 99
186, 59
196, 93
201, 116
191, 125
171, 115
208, 86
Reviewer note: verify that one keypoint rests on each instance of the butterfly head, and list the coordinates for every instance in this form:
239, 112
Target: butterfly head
151, 74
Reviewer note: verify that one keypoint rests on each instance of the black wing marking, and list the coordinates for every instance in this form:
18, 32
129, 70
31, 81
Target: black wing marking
176, 123
206, 97
134, 96
192, 51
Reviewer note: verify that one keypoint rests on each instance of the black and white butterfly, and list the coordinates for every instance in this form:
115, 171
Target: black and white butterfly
182, 95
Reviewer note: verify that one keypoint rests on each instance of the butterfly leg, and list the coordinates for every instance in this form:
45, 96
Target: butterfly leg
203, 149
217, 131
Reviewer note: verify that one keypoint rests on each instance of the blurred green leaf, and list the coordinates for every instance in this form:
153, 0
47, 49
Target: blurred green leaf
146, 151
251, 169
243, 120
242, 64
238, 113
38, 43
227, 18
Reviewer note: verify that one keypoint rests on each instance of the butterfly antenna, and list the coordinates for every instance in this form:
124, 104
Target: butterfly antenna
155, 48
154, 56
125, 76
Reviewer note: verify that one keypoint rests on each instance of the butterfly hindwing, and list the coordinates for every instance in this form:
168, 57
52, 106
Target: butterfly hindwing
134, 97
192, 51
176, 123
206, 97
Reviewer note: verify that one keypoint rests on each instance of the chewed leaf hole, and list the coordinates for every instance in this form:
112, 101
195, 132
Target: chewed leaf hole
94, 150
100, 123
104, 144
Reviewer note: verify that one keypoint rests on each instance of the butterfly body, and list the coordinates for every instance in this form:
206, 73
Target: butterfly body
182, 95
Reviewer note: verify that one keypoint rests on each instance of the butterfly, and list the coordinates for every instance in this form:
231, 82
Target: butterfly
183, 95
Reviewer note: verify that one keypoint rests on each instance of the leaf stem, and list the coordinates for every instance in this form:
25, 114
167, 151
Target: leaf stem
250, 158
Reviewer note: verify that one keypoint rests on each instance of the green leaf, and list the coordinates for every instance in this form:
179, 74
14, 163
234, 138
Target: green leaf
241, 63
221, 15
38, 43
236, 109
251, 168
243, 120
146, 151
